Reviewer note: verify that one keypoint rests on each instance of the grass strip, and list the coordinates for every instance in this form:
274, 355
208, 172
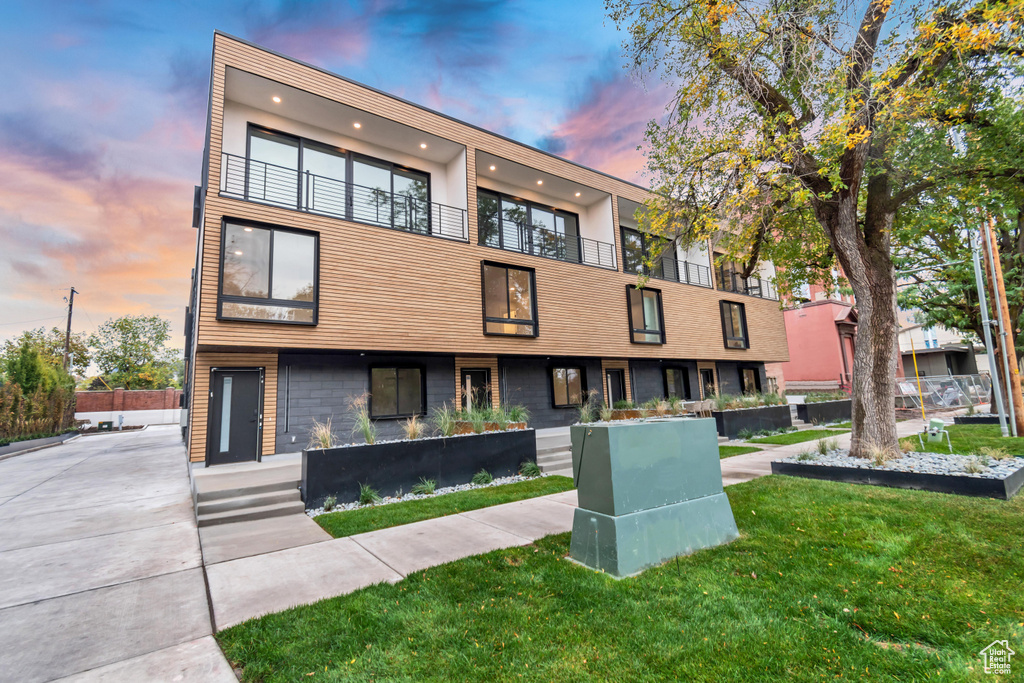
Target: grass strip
798, 437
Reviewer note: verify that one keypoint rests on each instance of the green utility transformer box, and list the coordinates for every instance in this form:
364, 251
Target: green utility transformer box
648, 491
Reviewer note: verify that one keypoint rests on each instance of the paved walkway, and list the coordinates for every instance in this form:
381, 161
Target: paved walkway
100, 573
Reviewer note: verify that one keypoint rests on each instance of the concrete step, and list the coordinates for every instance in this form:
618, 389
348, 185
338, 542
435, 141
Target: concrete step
561, 473
251, 513
248, 501
564, 460
557, 448
723, 439
555, 455
241, 488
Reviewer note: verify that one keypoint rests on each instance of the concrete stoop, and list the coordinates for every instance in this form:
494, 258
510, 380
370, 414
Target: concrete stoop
241, 493
554, 452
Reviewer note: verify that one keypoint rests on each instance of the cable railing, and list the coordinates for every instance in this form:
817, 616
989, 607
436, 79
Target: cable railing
530, 239
731, 281
263, 182
674, 270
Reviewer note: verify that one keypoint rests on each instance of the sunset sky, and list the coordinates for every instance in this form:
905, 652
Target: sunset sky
104, 103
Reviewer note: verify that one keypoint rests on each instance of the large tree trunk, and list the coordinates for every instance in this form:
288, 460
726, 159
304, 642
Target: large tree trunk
866, 260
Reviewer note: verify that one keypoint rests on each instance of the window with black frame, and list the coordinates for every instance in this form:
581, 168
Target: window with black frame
396, 392
528, 227
510, 303
645, 315
312, 176
268, 274
677, 383
734, 325
637, 246
568, 386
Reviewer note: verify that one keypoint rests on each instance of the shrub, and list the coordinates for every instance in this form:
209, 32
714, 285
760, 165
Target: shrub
651, 404
425, 487
623, 404
368, 495
675, 404
994, 452
606, 413
529, 469
805, 456
482, 477
517, 413
970, 409
321, 435
587, 407
907, 446
359, 406
443, 419
826, 445
745, 434
974, 465
478, 418
414, 428
329, 503
879, 455
499, 416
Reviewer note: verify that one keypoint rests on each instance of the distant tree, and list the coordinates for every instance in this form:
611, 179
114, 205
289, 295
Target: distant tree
25, 367
130, 352
50, 344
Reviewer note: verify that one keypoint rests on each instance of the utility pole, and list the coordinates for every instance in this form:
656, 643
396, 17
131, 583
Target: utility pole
67, 335
997, 394
1007, 340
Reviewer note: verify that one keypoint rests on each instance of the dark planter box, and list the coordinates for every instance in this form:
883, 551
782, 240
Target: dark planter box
824, 412
976, 419
399, 465
19, 446
1003, 489
731, 422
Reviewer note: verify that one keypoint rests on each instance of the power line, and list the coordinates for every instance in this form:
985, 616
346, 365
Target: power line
37, 320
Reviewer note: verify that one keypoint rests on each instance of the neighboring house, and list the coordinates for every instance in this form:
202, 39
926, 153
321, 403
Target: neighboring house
939, 351
353, 243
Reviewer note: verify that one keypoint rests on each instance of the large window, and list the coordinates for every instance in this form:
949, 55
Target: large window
300, 173
645, 315
568, 387
637, 246
268, 274
677, 383
520, 225
510, 302
734, 325
396, 392
750, 381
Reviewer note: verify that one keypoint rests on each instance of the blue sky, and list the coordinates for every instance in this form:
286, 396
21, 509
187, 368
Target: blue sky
103, 114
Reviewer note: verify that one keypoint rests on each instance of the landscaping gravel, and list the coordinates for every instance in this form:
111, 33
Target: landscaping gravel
923, 463
386, 500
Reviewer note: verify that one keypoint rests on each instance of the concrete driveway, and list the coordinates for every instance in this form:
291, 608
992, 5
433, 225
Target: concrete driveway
101, 576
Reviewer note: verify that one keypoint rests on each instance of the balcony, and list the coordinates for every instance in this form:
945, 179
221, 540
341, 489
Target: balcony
731, 281
674, 270
258, 181
524, 238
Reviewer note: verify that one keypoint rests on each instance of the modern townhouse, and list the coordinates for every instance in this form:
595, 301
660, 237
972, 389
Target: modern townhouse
353, 243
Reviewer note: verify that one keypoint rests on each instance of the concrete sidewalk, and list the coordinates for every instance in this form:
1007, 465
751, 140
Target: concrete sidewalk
263, 584
100, 573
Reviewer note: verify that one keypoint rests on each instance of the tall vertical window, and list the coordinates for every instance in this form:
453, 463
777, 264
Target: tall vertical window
734, 325
268, 274
568, 387
396, 392
677, 383
645, 315
510, 303
750, 381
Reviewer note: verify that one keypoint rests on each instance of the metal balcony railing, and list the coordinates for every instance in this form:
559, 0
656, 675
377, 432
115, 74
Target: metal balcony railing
530, 239
262, 182
674, 270
731, 281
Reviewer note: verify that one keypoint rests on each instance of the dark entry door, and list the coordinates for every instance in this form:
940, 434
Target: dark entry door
476, 387
707, 382
235, 420
616, 380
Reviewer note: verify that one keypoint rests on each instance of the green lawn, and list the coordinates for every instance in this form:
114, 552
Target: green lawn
798, 437
826, 581
729, 451
369, 518
842, 425
968, 439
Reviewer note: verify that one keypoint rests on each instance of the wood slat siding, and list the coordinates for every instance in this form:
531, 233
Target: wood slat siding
615, 365
201, 396
477, 362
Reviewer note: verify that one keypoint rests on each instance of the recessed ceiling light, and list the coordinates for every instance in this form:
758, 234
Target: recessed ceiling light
493, 167
540, 182
238, 253
357, 125
276, 99
248, 229
423, 145
577, 194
